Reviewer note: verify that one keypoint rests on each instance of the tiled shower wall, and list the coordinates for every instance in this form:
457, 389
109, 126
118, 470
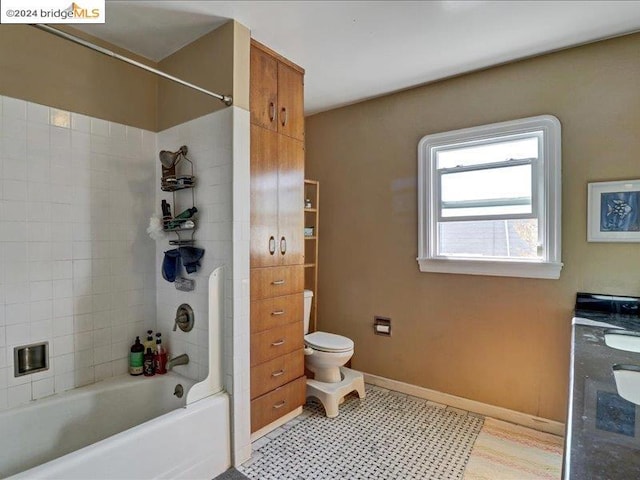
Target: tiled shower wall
210, 142
77, 267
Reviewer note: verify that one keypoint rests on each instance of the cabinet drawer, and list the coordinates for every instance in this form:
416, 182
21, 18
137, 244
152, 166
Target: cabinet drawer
273, 405
275, 312
275, 373
276, 281
273, 343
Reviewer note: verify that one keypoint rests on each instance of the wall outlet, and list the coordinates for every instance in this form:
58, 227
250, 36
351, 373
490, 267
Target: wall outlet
382, 326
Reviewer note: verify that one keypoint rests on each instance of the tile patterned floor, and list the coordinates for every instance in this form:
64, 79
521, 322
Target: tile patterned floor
386, 436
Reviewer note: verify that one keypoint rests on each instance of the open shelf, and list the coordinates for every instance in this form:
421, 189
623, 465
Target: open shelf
312, 221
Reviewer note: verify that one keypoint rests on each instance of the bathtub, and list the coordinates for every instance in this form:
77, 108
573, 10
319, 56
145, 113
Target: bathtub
122, 428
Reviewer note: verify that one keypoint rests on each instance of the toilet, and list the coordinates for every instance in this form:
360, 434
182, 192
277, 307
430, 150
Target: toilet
325, 355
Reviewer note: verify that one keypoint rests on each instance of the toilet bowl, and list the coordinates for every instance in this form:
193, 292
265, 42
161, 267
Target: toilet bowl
325, 355
329, 353
325, 352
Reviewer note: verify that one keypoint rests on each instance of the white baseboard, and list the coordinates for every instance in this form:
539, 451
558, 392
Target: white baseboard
519, 418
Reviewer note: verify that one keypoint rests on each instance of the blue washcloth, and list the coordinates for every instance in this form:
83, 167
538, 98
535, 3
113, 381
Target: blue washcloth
171, 265
191, 258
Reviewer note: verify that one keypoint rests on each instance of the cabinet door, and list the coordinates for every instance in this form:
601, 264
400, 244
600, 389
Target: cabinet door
290, 102
263, 97
290, 201
264, 198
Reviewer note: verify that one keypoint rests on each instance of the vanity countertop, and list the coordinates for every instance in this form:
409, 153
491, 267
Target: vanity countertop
603, 429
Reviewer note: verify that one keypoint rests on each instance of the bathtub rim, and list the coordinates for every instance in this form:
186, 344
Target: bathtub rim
208, 402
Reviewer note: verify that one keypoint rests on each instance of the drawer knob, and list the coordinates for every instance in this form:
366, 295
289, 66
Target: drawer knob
278, 343
278, 373
277, 282
278, 312
280, 404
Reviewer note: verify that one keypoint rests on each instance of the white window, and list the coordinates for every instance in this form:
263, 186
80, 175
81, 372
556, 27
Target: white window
489, 199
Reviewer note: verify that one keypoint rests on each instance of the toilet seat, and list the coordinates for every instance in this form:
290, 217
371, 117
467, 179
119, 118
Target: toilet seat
328, 342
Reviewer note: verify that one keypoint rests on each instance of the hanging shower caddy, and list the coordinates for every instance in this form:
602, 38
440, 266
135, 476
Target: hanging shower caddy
177, 175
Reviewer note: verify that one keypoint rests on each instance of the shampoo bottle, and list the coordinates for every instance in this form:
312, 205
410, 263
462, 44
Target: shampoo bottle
160, 356
149, 343
149, 367
136, 358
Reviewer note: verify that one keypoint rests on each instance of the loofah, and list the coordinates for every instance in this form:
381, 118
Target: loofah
154, 229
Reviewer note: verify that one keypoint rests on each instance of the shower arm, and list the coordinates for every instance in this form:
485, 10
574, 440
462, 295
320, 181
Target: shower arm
226, 99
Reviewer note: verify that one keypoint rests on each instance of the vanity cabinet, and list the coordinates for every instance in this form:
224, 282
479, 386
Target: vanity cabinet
278, 385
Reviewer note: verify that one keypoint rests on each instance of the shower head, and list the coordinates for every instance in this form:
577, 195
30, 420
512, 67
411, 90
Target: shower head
170, 159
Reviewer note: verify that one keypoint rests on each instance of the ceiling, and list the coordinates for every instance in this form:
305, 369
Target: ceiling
354, 50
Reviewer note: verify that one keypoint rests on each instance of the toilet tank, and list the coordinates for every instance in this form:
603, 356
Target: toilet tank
308, 297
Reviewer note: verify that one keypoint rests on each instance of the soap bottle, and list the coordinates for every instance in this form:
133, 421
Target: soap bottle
136, 358
149, 343
160, 356
178, 219
149, 367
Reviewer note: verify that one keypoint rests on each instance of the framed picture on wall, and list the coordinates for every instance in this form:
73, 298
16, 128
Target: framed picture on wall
613, 211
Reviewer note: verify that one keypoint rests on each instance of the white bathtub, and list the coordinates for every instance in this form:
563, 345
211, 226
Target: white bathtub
121, 428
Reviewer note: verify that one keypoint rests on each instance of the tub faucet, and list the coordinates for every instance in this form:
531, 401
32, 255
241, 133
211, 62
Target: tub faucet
179, 360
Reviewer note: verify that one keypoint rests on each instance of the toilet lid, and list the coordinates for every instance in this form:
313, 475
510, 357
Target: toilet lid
328, 342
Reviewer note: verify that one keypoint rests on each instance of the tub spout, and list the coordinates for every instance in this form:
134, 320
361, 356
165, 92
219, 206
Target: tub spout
179, 360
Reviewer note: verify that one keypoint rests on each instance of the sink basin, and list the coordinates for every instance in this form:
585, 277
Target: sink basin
628, 382
623, 340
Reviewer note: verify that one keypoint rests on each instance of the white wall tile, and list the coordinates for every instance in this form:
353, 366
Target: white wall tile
62, 345
62, 326
17, 334
37, 113
18, 395
14, 109
43, 388
65, 181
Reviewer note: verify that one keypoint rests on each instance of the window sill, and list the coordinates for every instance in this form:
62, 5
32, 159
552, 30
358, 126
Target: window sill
496, 268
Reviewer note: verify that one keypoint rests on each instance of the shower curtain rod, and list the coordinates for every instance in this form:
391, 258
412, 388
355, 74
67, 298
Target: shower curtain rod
227, 99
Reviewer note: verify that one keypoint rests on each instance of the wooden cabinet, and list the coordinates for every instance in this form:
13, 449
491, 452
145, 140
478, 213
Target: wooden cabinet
269, 407
277, 197
277, 242
274, 312
276, 92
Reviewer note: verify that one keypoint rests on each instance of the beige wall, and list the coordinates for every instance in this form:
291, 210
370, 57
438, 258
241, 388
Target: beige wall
502, 341
41, 68
206, 62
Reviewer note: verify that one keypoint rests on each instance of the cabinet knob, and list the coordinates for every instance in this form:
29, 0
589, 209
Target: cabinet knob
272, 112
280, 404
278, 373
277, 343
284, 116
277, 312
272, 245
283, 245
277, 282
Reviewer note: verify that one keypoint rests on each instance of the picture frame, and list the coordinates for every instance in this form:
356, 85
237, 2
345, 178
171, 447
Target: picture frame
613, 211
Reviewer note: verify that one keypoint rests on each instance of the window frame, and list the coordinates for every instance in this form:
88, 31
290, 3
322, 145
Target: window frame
546, 194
